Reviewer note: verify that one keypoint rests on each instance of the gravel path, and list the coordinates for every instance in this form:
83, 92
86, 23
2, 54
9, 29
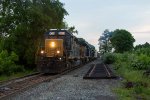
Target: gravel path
72, 86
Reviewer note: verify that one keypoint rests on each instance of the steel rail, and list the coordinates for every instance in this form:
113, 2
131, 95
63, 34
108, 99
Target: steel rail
29, 83
7, 82
107, 70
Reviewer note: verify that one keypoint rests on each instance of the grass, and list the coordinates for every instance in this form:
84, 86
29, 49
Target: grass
140, 90
16, 75
134, 93
124, 94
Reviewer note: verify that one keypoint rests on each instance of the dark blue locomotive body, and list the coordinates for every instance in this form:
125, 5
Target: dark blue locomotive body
61, 50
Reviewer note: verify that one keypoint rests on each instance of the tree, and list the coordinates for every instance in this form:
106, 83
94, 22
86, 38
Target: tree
72, 29
143, 49
140, 46
23, 23
104, 42
122, 40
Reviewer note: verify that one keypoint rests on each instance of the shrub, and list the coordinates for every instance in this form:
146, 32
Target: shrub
109, 58
7, 63
122, 60
142, 62
138, 89
134, 76
18, 68
145, 51
124, 57
131, 67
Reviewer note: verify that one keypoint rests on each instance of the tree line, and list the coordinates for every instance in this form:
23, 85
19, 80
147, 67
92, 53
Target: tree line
120, 40
23, 23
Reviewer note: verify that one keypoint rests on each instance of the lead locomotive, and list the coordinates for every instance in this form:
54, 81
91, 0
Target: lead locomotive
61, 50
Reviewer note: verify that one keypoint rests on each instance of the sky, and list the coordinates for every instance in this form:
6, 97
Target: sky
92, 17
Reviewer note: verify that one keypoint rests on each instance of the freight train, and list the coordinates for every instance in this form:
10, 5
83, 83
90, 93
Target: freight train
61, 50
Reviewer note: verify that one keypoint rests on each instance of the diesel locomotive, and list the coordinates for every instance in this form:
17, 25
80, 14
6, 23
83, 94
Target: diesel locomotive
61, 50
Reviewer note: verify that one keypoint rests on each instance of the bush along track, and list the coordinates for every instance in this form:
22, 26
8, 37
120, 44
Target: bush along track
9, 69
135, 70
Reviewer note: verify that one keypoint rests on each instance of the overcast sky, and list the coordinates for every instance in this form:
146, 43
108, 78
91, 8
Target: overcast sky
92, 17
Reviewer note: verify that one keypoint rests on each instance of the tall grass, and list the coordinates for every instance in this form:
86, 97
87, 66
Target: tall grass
131, 67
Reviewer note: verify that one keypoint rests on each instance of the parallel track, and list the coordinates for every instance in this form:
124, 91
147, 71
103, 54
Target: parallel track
99, 71
3, 83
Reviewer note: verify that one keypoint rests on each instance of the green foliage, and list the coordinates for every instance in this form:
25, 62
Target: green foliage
145, 51
122, 41
23, 24
123, 57
72, 29
104, 42
146, 45
131, 68
138, 89
16, 75
142, 62
133, 76
124, 94
135, 93
108, 58
7, 63
133, 61
122, 60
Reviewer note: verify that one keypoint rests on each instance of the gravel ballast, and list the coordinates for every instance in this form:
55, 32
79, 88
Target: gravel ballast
72, 86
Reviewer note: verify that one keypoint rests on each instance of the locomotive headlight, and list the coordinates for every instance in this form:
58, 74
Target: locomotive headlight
52, 44
42, 51
58, 51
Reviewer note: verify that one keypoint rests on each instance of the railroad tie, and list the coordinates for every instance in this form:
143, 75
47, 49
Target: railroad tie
99, 71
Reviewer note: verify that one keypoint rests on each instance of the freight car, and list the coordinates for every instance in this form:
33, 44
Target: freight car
61, 50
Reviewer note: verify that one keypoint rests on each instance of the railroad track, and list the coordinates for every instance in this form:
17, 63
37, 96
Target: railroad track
2, 83
15, 85
12, 87
99, 71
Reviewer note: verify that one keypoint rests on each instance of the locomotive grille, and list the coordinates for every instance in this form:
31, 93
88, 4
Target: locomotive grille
54, 47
